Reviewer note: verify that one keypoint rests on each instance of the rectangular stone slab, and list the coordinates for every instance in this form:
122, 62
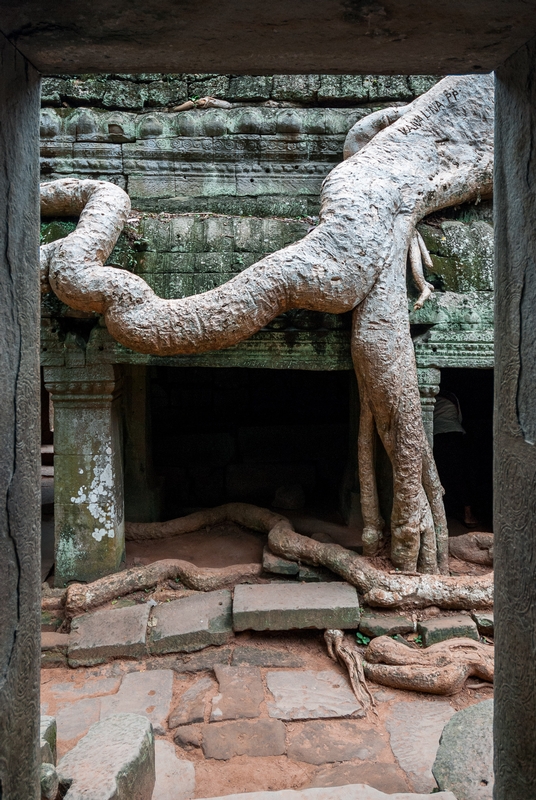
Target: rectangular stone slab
191, 623
356, 791
107, 634
439, 629
280, 607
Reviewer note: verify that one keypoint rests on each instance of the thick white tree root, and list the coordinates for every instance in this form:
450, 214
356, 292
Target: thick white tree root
441, 668
408, 162
351, 659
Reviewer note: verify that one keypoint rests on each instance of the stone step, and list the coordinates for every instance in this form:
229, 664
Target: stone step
110, 633
191, 623
281, 607
384, 624
357, 791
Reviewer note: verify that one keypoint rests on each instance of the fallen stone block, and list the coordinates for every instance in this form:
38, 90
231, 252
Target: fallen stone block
311, 574
191, 707
438, 629
484, 622
264, 657
278, 565
114, 761
378, 624
329, 741
148, 694
107, 634
191, 623
282, 606
415, 729
175, 777
311, 695
464, 761
49, 782
47, 735
353, 792
257, 738
54, 649
240, 693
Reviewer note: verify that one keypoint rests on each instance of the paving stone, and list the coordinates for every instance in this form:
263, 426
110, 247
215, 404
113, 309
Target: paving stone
354, 792
47, 736
189, 736
74, 720
378, 624
69, 691
191, 707
285, 606
340, 740
261, 737
438, 629
192, 623
241, 693
114, 761
311, 695
146, 693
415, 728
385, 777
202, 661
484, 622
464, 761
278, 565
112, 633
264, 657
175, 777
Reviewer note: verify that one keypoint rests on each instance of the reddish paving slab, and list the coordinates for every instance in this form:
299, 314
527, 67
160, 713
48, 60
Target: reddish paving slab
241, 693
261, 737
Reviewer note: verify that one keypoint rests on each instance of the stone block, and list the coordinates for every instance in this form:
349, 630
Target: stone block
301, 88
310, 574
484, 622
107, 634
175, 777
353, 792
264, 657
285, 607
192, 623
340, 740
240, 693
386, 778
249, 87
415, 729
378, 624
47, 736
197, 662
191, 707
74, 720
146, 693
49, 782
277, 564
188, 736
464, 761
114, 761
311, 695
54, 641
257, 738
438, 629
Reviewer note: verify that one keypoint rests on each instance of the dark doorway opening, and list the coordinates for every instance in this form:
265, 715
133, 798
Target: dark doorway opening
474, 390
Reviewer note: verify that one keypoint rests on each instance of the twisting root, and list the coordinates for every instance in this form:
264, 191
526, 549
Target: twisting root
417, 253
441, 668
351, 659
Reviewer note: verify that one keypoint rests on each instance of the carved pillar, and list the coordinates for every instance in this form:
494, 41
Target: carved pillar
515, 426
429, 379
141, 490
88, 474
20, 578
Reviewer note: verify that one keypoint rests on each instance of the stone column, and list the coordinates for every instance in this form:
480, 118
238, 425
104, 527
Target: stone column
20, 579
515, 426
88, 474
429, 379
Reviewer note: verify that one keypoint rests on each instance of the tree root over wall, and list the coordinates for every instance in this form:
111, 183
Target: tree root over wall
378, 588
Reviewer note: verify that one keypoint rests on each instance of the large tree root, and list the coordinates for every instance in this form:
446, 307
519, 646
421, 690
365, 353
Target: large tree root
441, 668
378, 588
81, 597
351, 659
477, 548
406, 163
